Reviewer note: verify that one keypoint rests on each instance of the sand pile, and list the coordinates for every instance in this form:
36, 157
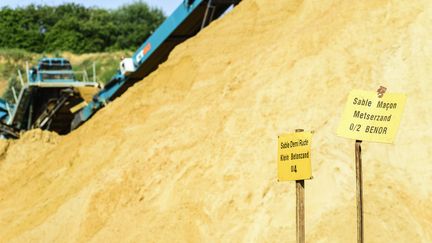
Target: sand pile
16, 155
189, 154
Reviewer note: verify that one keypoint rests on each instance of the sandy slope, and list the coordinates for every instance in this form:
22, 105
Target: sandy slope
189, 154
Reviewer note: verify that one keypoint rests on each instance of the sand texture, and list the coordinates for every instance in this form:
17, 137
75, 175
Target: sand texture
189, 153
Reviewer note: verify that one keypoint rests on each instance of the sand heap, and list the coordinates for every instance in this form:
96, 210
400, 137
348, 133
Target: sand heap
189, 154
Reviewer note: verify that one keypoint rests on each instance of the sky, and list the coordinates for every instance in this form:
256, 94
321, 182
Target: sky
166, 5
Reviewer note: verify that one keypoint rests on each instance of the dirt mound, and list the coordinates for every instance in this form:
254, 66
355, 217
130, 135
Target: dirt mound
189, 154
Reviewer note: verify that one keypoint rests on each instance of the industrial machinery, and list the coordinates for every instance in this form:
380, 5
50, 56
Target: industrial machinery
5, 130
46, 101
50, 100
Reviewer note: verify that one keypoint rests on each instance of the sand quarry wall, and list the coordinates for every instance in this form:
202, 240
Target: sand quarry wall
189, 154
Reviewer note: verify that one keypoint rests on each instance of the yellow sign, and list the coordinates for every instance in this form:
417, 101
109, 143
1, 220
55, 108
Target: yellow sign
367, 117
294, 161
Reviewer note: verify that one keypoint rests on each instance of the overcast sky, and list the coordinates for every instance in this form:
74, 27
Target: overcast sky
167, 5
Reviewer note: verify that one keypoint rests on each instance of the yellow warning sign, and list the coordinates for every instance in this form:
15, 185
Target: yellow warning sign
367, 117
294, 156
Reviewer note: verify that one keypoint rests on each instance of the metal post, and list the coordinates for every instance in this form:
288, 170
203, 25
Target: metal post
27, 72
85, 76
30, 117
300, 211
21, 78
203, 24
9, 112
359, 189
14, 95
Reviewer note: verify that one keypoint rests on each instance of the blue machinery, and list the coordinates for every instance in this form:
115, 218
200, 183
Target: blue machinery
45, 101
49, 97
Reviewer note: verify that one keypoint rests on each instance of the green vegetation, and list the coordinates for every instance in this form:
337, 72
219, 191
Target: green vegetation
72, 27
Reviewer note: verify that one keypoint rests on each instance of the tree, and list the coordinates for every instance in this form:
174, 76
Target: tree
72, 27
137, 22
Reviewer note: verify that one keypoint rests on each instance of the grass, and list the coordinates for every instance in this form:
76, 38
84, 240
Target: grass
15, 55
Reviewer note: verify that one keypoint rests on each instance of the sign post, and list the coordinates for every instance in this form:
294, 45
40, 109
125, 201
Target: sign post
300, 212
294, 164
371, 117
359, 190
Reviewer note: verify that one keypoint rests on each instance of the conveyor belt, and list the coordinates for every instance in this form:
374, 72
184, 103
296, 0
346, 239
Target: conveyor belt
186, 21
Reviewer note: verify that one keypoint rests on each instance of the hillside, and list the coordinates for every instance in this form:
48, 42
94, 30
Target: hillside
189, 153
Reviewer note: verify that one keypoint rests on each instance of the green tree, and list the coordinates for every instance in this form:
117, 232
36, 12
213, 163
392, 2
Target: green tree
137, 22
72, 27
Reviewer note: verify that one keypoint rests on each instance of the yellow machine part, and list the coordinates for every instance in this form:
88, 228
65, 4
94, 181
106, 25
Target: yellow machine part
87, 94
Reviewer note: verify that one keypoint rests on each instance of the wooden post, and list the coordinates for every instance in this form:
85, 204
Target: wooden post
359, 195
300, 212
